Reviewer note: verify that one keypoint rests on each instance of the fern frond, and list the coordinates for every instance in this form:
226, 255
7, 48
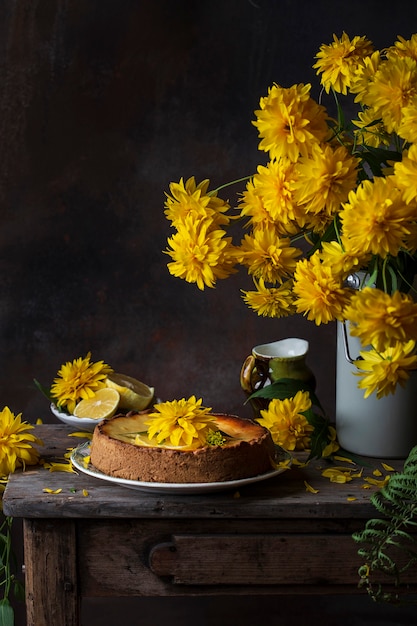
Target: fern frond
386, 545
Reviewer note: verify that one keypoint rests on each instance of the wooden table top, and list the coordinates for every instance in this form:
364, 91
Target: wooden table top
283, 496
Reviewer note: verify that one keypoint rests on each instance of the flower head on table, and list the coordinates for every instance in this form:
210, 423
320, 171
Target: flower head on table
16, 452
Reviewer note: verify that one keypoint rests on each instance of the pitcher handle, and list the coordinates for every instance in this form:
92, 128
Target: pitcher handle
246, 374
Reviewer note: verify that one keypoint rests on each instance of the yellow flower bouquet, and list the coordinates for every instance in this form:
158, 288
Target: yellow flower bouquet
335, 198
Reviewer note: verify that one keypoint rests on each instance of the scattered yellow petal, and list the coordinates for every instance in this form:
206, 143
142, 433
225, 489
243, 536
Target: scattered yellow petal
81, 434
298, 463
365, 486
351, 498
60, 467
387, 468
345, 459
54, 491
377, 472
39, 421
309, 488
358, 474
85, 493
286, 464
378, 483
337, 475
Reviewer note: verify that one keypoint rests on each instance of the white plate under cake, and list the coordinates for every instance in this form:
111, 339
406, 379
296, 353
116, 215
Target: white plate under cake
121, 448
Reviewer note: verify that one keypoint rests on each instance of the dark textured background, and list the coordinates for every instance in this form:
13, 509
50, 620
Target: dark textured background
102, 104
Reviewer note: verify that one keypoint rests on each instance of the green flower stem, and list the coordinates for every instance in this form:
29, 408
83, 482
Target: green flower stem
233, 182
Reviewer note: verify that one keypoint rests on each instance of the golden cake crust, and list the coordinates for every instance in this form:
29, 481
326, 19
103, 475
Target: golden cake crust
249, 451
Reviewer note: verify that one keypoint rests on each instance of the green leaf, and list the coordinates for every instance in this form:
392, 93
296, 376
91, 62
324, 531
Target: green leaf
286, 388
44, 390
19, 590
6, 613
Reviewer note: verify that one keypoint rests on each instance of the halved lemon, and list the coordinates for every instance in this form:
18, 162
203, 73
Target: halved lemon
134, 395
102, 406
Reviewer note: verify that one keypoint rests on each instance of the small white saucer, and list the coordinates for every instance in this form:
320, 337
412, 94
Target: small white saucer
86, 423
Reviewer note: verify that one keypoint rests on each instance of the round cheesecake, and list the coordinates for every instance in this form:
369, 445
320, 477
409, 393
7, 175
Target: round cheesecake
120, 447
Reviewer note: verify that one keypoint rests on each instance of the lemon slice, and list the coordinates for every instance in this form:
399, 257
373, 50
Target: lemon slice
134, 395
102, 406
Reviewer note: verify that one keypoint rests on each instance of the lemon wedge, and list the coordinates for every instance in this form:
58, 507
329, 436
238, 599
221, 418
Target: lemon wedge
102, 406
134, 395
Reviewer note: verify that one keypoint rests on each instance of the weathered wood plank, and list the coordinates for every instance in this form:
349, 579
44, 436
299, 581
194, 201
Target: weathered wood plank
284, 496
280, 559
51, 573
156, 557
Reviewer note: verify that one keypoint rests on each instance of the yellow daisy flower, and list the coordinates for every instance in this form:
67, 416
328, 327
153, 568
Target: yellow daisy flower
272, 301
288, 427
324, 179
289, 121
267, 256
268, 198
79, 380
407, 128
180, 422
365, 72
405, 174
319, 294
342, 263
381, 372
375, 219
192, 199
16, 443
201, 254
393, 87
380, 319
371, 131
404, 48
338, 61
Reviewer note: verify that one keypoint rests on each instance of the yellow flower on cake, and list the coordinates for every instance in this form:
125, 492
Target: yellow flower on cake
79, 380
284, 419
381, 372
16, 443
182, 422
